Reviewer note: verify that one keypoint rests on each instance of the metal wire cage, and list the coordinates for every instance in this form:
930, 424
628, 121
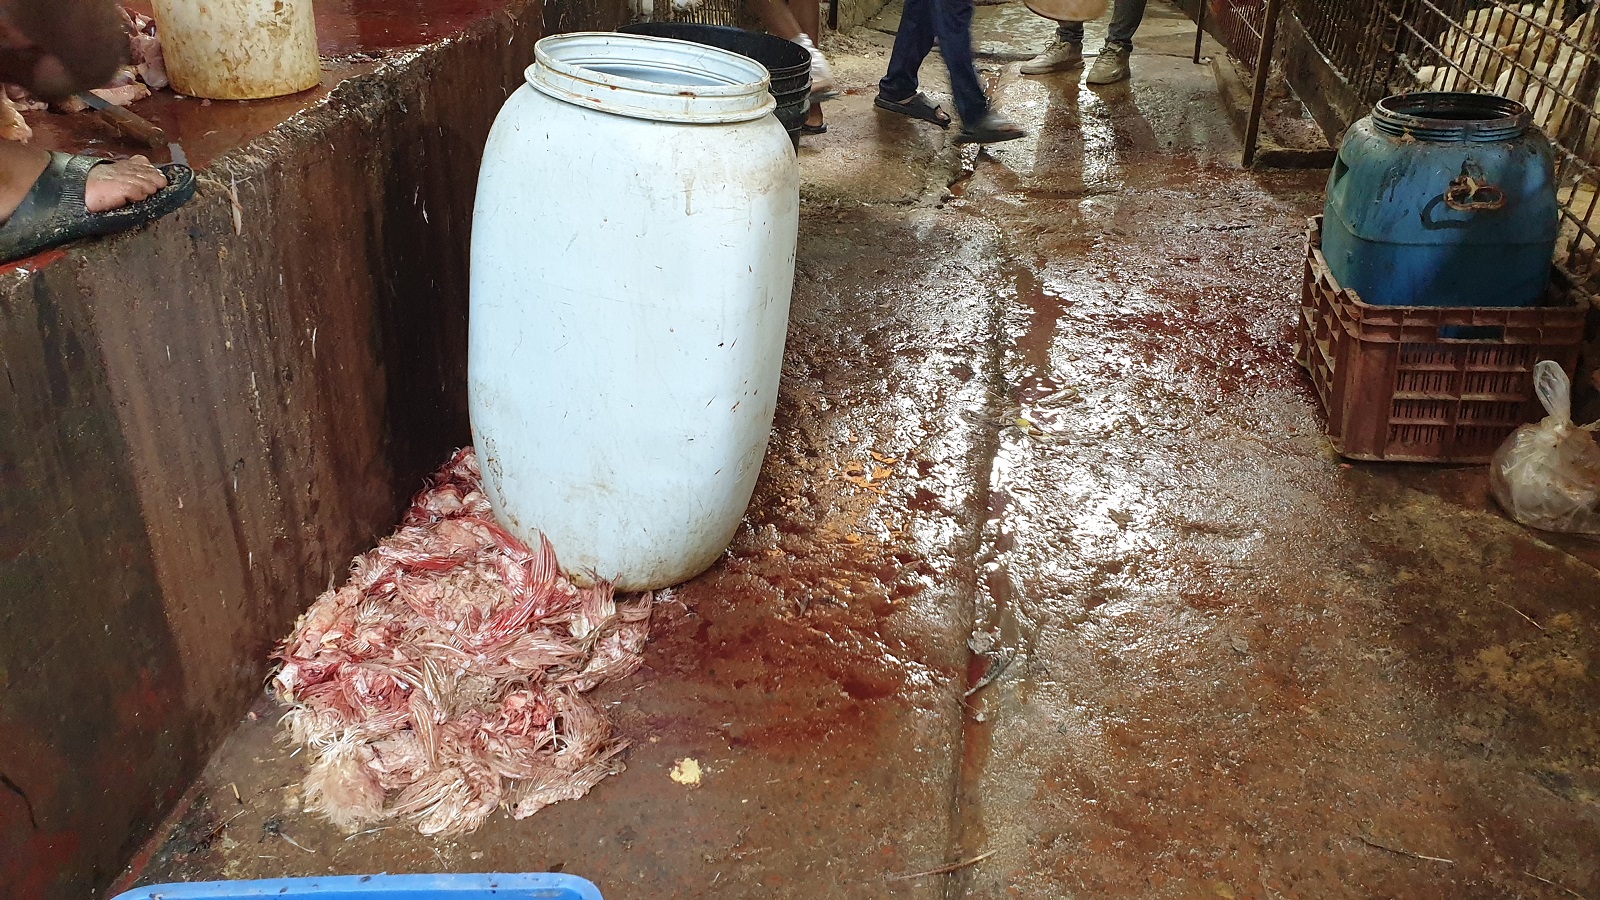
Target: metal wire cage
1356, 36
1239, 25
735, 13
704, 12
1544, 54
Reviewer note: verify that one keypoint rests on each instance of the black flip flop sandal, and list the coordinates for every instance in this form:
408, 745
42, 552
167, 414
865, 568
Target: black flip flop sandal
806, 128
991, 129
917, 107
53, 213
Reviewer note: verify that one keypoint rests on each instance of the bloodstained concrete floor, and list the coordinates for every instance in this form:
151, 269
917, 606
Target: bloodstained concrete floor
1050, 565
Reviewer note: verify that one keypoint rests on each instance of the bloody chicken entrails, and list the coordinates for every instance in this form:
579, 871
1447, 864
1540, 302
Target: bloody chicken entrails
446, 678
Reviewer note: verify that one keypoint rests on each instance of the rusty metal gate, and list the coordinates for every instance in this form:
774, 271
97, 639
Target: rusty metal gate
1544, 54
1239, 24
723, 12
1356, 36
1248, 29
705, 12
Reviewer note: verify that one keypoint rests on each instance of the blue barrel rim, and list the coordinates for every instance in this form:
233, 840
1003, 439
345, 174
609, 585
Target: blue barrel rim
1452, 117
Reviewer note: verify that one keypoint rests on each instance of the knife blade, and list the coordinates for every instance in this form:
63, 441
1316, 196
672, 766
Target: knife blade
125, 122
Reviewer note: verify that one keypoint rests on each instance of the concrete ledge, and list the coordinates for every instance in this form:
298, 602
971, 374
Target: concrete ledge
204, 419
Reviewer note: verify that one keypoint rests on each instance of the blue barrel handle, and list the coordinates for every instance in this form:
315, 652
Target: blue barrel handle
1471, 191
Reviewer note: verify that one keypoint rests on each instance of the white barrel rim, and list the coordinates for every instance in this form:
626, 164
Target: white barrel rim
565, 68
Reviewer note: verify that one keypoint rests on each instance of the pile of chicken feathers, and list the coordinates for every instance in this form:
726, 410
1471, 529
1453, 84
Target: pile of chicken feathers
146, 72
446, 678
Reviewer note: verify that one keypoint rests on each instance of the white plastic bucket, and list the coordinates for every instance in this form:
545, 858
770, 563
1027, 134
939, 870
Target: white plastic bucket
239, 49
632, 259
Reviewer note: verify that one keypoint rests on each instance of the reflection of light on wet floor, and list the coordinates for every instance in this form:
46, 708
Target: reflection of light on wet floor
1096, 447
1063, 133
1026, 102
1101, 165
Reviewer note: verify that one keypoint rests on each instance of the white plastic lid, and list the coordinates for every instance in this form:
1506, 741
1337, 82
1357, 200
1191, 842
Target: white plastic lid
651, 78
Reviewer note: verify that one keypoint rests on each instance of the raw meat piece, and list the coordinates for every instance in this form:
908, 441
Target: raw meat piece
117, 96
122, 95
125, 76
12, 126
446, 677
23, 100
150, 61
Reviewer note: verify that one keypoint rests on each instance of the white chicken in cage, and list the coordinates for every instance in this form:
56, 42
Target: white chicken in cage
1479, 48
1525, 53
645, 10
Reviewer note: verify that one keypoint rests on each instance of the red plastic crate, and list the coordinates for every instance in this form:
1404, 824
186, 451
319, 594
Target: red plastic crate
1396, 388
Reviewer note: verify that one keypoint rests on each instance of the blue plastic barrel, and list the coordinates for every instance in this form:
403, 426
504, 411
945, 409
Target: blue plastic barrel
1443, 199
539, 886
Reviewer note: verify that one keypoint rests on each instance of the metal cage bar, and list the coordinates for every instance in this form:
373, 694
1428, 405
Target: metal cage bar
704, 12
1263, 69
1239, 25
1247, 29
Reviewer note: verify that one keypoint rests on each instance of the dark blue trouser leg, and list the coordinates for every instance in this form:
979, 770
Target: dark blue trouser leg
912, 41
951, 22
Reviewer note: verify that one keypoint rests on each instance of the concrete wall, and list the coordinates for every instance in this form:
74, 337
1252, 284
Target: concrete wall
856, 12
199, 427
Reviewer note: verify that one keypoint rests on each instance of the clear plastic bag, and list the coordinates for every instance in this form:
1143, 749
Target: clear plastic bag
1547, 475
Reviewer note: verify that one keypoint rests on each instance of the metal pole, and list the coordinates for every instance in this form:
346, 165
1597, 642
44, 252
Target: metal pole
1397, 12
1258, 98
1200, 28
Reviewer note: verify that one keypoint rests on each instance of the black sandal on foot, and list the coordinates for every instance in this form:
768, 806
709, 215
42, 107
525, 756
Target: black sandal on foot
808, 128
917, 107
53, 213
991, 129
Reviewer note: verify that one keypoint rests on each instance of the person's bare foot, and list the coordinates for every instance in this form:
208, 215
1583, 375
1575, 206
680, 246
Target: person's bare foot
122, 182
111, 185
814, 117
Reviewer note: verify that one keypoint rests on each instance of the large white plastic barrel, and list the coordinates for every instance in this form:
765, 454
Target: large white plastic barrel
239, 49
632, 258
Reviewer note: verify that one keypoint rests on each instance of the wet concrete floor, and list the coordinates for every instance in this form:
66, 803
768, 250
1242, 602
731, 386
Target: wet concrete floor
1051, 568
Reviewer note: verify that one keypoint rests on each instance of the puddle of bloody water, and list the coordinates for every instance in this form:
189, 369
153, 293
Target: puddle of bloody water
1032, 346
34, 263
818, 672
351, 26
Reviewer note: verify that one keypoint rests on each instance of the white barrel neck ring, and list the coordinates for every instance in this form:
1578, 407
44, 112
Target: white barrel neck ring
651, 78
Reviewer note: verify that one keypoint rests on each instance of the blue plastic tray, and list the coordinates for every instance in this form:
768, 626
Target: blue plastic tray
381, 887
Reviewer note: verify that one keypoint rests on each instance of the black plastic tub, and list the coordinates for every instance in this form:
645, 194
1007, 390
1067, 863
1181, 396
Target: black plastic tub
793, 114
783, 59
788, 64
